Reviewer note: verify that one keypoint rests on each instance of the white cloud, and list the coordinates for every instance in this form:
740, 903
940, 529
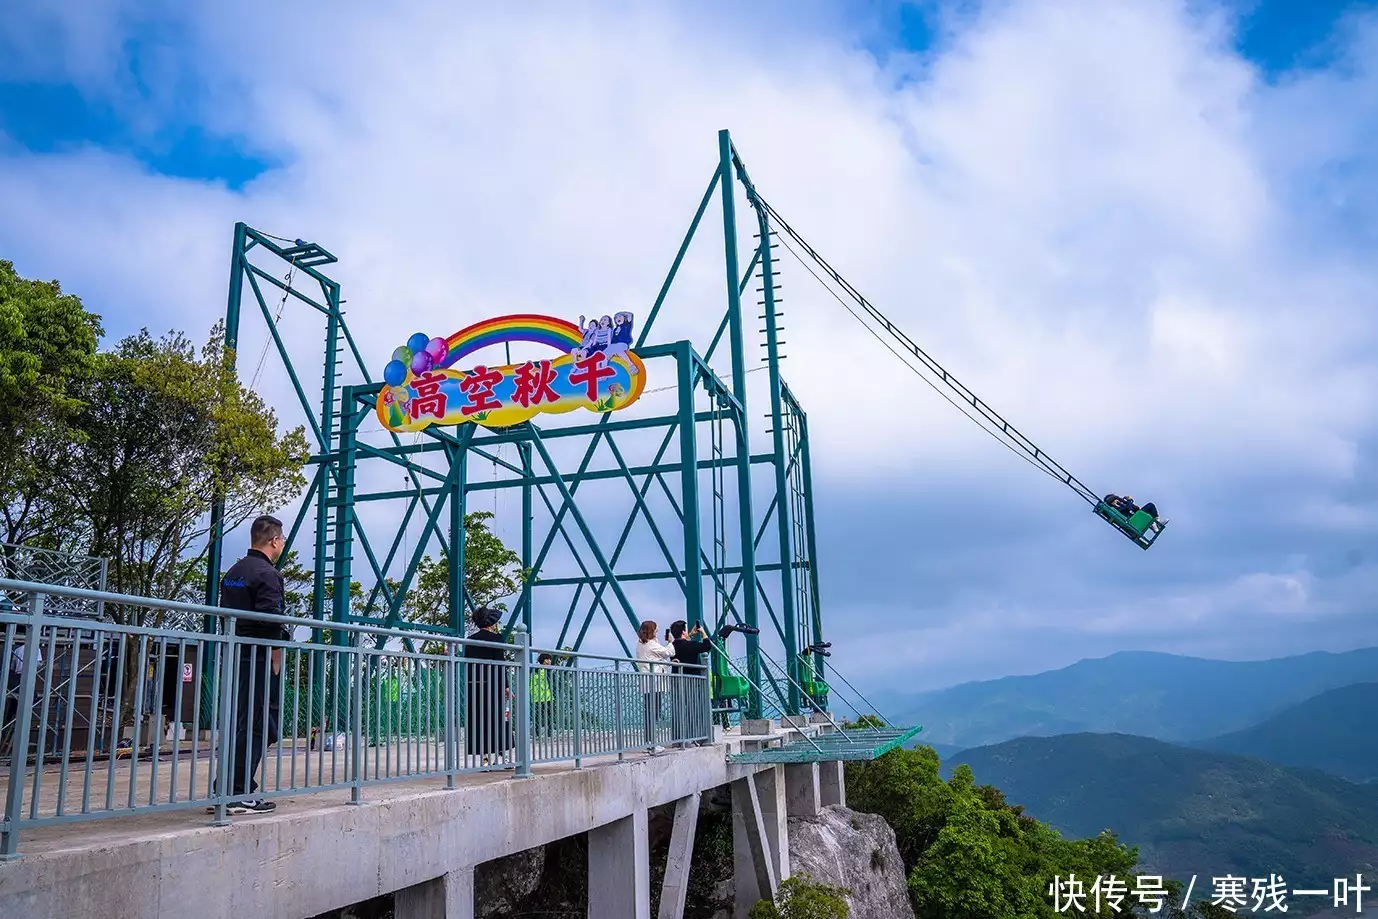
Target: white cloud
1087, 211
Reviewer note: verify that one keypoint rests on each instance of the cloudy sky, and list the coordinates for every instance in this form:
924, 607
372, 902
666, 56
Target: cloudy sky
1143, 230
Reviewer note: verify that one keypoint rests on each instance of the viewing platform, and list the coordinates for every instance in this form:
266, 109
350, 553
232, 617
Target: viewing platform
321, 851
390, 769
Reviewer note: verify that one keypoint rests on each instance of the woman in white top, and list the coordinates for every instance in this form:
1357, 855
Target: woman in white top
651, 658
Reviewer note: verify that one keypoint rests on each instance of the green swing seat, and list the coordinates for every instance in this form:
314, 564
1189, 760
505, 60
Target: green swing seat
727, 685
813, 687
1138, 526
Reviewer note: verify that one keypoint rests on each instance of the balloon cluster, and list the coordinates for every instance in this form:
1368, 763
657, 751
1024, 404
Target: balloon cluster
418, 355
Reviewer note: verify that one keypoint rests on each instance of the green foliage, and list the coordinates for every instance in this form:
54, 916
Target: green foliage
801, 898
866, 721
491, 571
47, 346
712, 862
968, 853
1190, 808
164, 431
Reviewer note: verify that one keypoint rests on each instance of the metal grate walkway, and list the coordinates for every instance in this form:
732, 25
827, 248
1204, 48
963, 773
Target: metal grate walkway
854, 744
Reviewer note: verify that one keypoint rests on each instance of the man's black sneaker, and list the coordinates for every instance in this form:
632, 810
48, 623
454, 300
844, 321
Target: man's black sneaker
251, 807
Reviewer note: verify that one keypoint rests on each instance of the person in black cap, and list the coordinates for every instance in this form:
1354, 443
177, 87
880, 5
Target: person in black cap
486, 733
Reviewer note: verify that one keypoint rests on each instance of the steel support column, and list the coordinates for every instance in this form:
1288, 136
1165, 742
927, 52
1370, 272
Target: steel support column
737, 340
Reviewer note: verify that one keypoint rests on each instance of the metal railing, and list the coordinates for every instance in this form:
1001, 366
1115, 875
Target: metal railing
19, 562
103, 719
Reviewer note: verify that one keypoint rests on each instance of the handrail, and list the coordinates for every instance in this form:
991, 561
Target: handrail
336, 719
221, 612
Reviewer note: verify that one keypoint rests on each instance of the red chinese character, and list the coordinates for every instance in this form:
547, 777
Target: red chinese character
429, 399
591, 370
478, 386
533, 384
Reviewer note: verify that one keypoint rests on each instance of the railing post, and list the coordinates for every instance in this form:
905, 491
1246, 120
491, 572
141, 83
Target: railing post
706, 707
617, 706
451, 714
19, 743
578, 719
521, 701
356, 733
224, 769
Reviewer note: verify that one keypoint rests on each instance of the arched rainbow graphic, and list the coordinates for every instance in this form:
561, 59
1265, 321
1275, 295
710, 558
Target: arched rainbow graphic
560, 334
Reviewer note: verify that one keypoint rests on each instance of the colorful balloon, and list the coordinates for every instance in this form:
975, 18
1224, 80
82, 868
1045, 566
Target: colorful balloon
437, 349
420, 362
418, 342
394, 373
402, 354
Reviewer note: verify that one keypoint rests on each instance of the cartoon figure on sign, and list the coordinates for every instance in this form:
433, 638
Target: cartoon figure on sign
621, 340
590, 343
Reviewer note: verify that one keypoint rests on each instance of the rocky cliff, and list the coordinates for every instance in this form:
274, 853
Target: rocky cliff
843, 848
857, 851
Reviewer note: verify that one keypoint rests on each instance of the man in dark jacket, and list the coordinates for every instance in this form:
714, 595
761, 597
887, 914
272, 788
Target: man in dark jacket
254, 584
691, 646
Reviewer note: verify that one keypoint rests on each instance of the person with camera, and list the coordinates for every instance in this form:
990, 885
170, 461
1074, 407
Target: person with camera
691, 646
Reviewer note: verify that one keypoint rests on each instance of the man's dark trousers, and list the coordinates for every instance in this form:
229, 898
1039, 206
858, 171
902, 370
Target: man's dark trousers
258, 707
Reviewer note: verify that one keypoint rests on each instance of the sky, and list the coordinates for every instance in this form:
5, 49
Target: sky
1141, 230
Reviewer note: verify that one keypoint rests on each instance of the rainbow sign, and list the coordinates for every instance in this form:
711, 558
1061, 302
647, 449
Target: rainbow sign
595, 369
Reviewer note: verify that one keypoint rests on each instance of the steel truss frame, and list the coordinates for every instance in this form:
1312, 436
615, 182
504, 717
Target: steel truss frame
787, 587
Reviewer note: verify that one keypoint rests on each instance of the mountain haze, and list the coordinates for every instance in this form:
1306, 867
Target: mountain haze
1164, 696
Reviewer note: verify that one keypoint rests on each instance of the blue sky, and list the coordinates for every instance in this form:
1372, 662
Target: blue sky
1143, 230
42, 111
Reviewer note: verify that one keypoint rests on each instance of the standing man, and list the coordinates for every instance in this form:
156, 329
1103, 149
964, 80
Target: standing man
254, 584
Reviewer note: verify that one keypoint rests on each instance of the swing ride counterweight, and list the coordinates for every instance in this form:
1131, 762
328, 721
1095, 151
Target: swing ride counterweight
436, 499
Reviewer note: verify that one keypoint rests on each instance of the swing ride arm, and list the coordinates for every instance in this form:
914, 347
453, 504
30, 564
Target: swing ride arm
1139, 527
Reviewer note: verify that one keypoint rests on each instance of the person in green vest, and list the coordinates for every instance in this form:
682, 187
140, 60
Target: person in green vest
384, 703
542, 699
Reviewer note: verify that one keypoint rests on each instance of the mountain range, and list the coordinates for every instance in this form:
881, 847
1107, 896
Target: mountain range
1333, 732
1210, 767
1191, 811
1150, 694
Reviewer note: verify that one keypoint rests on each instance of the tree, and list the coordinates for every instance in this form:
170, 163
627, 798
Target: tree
163, 431
47, 346
492, 571
970, 854
799, 897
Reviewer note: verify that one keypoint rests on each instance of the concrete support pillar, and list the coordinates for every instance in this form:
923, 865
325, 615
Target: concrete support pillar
450, 896
770, 791
620, 869
677, 863
753, 870
802, 795
832, 783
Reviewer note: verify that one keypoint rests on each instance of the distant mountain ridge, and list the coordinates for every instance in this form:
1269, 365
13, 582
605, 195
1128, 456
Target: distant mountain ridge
1191, 811
1165, 696
1333, 732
